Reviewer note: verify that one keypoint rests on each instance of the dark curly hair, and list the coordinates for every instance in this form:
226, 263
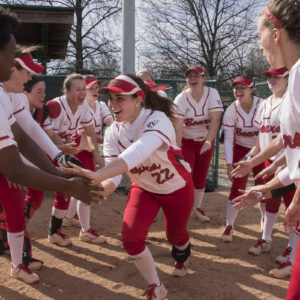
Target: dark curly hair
9, 23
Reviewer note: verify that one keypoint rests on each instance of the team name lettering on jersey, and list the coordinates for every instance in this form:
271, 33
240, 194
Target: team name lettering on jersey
267, 129
240, 132
288, 142
191, 122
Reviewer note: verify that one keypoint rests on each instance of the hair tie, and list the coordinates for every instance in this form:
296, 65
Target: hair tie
272, 18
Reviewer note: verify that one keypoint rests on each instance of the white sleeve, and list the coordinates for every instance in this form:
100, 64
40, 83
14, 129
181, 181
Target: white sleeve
33, 129
215, 103
284, 177
141, 150
180, 102
105, 113
228, 144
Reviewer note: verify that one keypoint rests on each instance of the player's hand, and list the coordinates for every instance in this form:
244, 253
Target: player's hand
229, 170
265, 173
100, 139
205, 147
62, 160
70, 148
99, 161
78, 171
81, 188
241, 169
292, 217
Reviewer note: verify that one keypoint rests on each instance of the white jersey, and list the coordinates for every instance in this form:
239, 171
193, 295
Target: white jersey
269, 123
7, 119
164, 171
66, 123
243, 124
290, 122
197, 114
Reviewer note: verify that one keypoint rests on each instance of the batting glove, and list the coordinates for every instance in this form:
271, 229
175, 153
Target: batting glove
62, 160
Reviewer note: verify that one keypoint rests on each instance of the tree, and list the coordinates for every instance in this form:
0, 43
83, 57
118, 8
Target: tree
214, 34
92, 42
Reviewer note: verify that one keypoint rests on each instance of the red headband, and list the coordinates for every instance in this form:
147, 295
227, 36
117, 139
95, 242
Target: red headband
272, 18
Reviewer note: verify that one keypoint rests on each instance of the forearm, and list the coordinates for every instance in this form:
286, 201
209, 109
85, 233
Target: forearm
108, 187
114, 168
281, 160
178, 126
273, 184
214, 126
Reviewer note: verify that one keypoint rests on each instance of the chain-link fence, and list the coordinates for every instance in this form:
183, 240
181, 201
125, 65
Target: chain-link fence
54, 85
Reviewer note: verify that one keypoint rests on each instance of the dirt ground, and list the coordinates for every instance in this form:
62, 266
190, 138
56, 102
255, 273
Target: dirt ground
217, 270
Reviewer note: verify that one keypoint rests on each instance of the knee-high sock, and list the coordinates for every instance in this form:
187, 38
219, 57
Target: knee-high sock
83, 211
270, 220
294, 247
198, 198
291, 239
58, 213
145, 264
72, 208
231, 213
262, 208
16, 242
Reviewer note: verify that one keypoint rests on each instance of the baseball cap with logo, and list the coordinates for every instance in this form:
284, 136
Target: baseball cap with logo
281, 72
90, 80
123, 85
194, 68
243, 80
28, 64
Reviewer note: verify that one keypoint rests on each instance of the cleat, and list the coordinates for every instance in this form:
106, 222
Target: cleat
260, 246
71, 222
227, 234
35, 264
200, 214
24, 273
60, 239
282, 271
180, 269
156, 292
91, 236
284, 257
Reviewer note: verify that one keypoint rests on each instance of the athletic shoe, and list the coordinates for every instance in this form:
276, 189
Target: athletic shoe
24, 273
180, 269
60, 239
284, 257
91, 236
35, 264
282, 271
71, 222
260, 246
156, 292
200, 214
227, 234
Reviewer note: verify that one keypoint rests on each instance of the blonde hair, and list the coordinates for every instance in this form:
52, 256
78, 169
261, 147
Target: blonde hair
287, 12
69, 79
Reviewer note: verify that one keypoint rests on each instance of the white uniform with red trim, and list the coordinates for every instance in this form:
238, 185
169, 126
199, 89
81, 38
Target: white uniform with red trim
268, 119
289, 122
100, 117
197, 114
242, 125
66, 123
163, 171
7, 119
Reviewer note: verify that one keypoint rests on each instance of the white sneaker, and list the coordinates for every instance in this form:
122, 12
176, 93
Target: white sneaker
282, 271
180, 269
156, 292
284, 257
91, 236
200, 214
60, 239
34, 264
227, 234
24, 273
71, 222
260, 246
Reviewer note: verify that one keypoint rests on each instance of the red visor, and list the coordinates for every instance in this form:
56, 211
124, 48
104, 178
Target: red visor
194, 68
90, 80
243, 80
281, 72
27, 63
152, 86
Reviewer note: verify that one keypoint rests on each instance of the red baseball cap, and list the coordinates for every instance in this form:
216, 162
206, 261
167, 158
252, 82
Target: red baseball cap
90, 80
281, 72
194, 68
153, 87
27, 63
123, 85
243, 80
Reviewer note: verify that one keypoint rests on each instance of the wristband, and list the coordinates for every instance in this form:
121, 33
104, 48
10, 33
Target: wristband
283, 190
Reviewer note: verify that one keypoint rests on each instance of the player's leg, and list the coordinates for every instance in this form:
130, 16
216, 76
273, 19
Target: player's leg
33, 201
140, 212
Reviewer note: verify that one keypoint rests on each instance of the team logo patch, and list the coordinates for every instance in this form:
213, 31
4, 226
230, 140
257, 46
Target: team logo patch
114, 82
152, 123
219, 102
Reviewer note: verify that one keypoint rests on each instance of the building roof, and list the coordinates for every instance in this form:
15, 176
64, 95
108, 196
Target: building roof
47, 26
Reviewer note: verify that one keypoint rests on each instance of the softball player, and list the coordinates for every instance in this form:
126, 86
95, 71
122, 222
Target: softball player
278, 30
101, 116
198, 118
142, 142
240, 131
72, 113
